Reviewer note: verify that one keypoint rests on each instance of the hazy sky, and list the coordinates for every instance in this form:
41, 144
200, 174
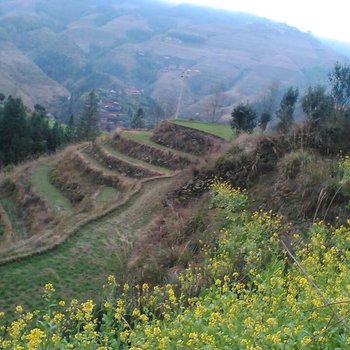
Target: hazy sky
324, 18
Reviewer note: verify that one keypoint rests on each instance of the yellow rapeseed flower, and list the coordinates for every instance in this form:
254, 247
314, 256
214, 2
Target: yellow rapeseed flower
49, 288
19, 309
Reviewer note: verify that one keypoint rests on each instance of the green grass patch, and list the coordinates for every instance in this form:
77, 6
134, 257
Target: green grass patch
144, 137
10, 207
221, 130
56, 200
107, 195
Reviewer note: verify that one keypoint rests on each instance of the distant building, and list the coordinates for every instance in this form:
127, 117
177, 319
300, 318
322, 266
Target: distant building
132, 91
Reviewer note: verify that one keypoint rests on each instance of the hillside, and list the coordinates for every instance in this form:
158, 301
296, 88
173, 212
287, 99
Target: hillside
63, 214
186, 59
19, 76
188, 258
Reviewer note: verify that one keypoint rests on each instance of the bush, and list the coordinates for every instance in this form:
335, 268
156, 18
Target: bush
292, 163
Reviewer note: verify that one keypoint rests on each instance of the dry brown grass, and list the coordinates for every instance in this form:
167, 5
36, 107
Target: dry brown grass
185, 139
120, 165
79, 179
66, 178
36, 213
94, 174
147, 153
7, 236
170, 242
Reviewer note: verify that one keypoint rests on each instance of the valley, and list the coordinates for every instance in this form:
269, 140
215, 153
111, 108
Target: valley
172, 60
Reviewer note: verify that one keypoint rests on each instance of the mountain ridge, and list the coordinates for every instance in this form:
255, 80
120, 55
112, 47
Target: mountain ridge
176, 54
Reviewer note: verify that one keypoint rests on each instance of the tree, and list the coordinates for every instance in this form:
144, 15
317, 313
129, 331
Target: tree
264, 119
88, 123
286, 110
317, 105
2, 97
15, 142
244, 117
56, 137
71, 133
137, 121
340, 85
39, 130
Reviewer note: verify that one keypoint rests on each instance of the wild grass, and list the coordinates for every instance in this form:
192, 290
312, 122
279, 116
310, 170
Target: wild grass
56, 200
223, 131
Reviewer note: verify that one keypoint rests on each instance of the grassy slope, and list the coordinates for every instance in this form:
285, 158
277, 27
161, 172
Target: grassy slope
56, 200
221, 130
80, 266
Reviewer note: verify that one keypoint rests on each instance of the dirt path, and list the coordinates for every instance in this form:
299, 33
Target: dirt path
79, 267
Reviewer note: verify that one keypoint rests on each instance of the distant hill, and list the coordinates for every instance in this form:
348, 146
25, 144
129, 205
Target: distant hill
179, 56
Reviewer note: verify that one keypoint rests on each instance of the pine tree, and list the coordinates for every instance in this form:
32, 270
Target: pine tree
71, 132
137, 121
244, 118
318, 106
285, 113
39, 130
15, 141
57, 137
265, 118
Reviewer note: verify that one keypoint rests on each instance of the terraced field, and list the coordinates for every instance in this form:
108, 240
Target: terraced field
113, 151
80, 266
40, 178
144, 137
220, 130
72, 218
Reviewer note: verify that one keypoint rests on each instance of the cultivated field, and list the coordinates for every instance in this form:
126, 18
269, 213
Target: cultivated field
72, 218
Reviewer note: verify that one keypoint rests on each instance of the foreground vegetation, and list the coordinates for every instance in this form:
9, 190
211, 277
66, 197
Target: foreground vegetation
262, 287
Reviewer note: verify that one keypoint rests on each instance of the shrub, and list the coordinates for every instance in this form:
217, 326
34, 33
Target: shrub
294, 162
